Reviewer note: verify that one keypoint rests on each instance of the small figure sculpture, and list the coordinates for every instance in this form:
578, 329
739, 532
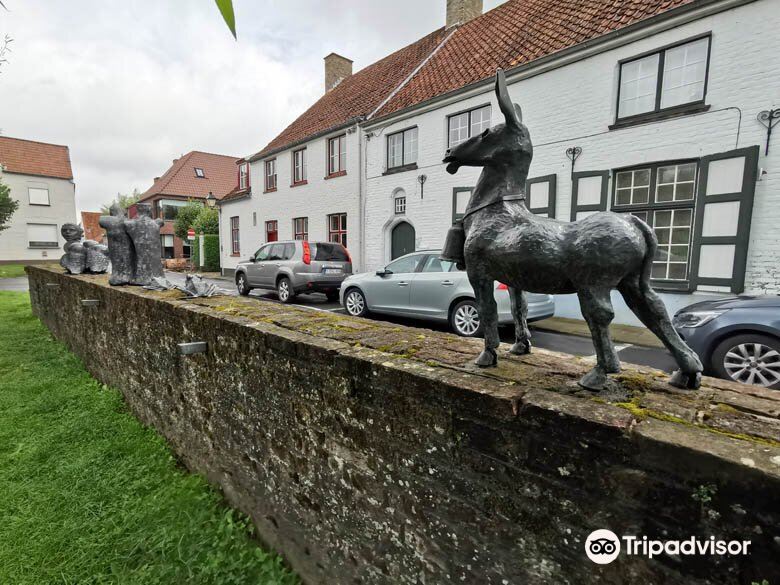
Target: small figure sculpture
501, 240
194, 287
81, 257
120, 247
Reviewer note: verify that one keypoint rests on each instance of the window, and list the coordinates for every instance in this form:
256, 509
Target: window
400, 205
199, 173
254, 219
234, 237
270, 175
460, 200
243, 175
540, 195
186, 249
301, 228
262, 253
337, 228
42, 235
168, 209
168, 251
402, 148
405, 265
467, 124
38, 196
663, 196
671, 77
436, 264
299, 166
271, 231
337, 155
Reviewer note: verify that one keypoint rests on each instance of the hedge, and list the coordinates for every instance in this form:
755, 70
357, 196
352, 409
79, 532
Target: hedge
210, 250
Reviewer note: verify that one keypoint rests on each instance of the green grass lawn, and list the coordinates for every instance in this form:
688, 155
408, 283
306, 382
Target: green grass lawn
11, 270
90, 496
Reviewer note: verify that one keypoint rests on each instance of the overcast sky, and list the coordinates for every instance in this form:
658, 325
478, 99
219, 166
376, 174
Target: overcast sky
130, 85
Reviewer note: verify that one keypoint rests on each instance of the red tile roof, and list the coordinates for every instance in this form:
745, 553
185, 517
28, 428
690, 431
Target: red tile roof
92, 229
516, 33
357, 95
221, 177
235, 194
28, 157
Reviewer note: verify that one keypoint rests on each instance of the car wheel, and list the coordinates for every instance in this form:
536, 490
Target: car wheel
464, 319
284, 290
355, 303
242, 285
750, 359
333, 296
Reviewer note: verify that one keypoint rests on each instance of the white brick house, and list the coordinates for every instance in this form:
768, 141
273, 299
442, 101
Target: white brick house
693, 156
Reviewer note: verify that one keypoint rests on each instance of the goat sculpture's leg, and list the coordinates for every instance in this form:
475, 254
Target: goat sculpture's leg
519, 301
647, 305
597, 309
488, 314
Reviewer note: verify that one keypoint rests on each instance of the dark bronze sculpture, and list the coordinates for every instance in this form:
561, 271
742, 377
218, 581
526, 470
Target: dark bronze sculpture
82, 256
500, 240
134, 246
120, 247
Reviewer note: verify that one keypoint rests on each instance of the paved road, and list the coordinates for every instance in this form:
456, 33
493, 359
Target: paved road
572, 344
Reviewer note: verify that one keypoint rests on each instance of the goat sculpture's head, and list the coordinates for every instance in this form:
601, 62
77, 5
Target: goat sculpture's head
504, 145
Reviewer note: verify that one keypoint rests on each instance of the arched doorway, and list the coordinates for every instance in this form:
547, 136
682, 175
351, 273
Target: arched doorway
401, 240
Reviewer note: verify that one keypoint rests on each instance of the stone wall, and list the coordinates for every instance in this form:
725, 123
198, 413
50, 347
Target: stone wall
367, 452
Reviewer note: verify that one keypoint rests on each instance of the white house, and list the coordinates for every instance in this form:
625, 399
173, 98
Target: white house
41, 180
658, 101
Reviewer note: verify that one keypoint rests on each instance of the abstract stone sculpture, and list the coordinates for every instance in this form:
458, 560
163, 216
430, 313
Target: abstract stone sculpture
505, 242
120, 247
144, 232
81, 257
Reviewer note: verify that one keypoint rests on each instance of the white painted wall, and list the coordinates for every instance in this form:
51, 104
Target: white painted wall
61, 209
573, 106
316, 200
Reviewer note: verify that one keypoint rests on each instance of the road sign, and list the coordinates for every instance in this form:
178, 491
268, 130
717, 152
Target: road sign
190, 234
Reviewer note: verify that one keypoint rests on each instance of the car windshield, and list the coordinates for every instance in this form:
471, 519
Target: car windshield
329, 252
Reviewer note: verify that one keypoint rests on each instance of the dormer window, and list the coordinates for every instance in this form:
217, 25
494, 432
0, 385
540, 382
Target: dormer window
243, 175
199, 173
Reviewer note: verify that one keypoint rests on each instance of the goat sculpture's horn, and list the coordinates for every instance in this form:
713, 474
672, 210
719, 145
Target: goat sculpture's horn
512, 112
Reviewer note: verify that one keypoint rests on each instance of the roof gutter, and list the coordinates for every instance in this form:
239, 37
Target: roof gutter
265, 154
632, 33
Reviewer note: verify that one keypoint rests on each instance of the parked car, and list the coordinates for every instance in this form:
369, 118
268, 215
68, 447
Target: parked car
295, 267
422, 286
737, 338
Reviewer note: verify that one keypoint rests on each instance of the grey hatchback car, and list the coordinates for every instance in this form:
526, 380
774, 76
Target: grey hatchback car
295, 267
422, 286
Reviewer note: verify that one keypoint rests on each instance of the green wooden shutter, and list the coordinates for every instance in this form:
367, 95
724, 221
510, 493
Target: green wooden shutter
540, 195
588, 193
724, 207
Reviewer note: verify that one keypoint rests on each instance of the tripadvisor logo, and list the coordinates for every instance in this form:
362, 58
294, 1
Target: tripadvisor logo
603, 546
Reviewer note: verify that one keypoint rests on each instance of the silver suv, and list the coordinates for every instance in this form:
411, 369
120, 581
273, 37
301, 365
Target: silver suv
295, 267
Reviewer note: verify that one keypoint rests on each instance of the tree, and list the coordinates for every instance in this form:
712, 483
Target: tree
124, 200
185, 218
7, 207
207, 221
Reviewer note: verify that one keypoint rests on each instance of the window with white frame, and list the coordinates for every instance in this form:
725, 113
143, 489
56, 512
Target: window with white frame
243, 175
400, 204
299, 166
235, 241
662, 195
337, 228
168, 250
200, 173
38, 195
463, 126
270, 175
301, 228
42, 235
337, 154
402, 148
670, 77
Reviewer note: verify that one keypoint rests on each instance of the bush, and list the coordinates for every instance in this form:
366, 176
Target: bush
185, 219
211, 253
207, 221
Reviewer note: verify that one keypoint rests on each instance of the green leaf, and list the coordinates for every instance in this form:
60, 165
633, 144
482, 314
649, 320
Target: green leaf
226, 8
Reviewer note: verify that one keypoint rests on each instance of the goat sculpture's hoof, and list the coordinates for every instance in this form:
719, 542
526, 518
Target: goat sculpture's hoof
690, 381
594, 380
487, 359
520, 348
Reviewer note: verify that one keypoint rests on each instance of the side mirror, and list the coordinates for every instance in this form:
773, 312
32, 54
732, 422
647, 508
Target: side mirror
251, 259
384, 272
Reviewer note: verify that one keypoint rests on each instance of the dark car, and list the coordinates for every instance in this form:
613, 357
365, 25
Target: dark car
737, 338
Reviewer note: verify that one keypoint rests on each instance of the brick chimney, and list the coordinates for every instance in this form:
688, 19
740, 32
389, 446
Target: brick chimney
461, 11
337, 69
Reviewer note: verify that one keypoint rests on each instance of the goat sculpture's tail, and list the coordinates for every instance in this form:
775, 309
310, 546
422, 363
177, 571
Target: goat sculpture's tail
652, 247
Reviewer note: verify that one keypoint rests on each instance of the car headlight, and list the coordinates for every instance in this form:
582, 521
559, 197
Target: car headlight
695, 318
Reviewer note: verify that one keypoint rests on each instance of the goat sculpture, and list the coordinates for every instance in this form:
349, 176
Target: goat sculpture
501, 240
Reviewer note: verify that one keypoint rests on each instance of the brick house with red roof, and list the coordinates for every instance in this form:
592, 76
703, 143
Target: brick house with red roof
657, 98
196, 176
40, 178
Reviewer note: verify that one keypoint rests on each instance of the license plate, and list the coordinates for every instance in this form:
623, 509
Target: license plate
333, 271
